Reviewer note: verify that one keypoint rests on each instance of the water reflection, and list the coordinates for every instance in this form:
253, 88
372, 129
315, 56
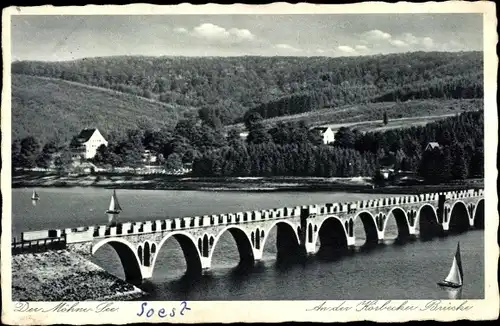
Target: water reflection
112, 219
453, 294
33, 202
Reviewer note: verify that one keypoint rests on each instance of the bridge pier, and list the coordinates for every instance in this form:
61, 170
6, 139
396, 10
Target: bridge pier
257, 254
351, 241
206, 263
380, 236
445, 229
147, 272
309, 248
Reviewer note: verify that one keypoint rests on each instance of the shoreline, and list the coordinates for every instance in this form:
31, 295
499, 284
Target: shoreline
245, 184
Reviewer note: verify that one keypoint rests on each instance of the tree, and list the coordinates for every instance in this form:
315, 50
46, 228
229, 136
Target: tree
459, 167
257, 133
63, 160
102, 155
234, 139
15, 153
447, 164
386, 119
173, 162
43, 160
28, 152
345, 138
251, 119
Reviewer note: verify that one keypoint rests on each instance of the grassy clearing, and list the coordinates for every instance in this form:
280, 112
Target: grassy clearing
370, 115
44, 107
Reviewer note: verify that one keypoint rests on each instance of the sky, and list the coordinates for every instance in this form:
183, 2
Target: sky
57, 37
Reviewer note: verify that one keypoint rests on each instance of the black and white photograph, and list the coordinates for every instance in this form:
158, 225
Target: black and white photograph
236, 157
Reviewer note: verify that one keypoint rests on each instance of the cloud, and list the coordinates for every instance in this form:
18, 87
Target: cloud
427, 42
453, 45
180, 30
210, 31
288, 47
399, 43
346, 49
409, 38
361, 47
377, 34
213, 32
243, 34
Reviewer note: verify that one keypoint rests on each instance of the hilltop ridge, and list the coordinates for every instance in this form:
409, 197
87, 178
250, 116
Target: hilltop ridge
158, 91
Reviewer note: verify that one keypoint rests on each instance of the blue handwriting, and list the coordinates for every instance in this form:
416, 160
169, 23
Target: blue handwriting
162, 312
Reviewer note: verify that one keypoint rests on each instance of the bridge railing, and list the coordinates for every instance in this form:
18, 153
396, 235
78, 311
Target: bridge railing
182, 223
40, 245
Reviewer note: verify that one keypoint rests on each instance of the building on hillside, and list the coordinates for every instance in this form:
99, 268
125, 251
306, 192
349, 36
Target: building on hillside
149, 156
430, 146
85, 145
326, 133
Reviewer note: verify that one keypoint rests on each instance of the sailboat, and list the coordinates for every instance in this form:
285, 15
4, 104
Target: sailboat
114, 205
35, 196
455, 276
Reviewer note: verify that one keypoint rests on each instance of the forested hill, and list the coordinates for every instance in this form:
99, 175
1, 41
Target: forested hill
53, 109
228, 87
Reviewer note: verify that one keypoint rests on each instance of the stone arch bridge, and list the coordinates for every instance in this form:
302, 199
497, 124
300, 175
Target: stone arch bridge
299, 230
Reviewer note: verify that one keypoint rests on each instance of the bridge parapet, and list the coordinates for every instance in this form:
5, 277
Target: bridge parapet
183, 223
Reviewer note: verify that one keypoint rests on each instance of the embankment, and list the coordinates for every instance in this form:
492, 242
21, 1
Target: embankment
131, 181
64, 276
162, 182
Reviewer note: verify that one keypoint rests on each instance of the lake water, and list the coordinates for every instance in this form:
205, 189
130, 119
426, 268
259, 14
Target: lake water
389, 271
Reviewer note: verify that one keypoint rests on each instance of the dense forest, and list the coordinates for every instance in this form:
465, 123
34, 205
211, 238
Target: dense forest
288, 149
228, 88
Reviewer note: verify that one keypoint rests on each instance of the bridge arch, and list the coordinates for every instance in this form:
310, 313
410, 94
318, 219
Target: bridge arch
243, 244
189, 248
427, 221
332, 238
401, 222
369, 226
127, 254
287, 238
459, 217
478, 214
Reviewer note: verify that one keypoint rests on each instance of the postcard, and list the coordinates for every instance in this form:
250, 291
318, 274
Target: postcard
249, 163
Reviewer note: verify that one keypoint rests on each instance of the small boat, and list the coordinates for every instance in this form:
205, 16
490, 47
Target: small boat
455, 276
35, 196
114, 205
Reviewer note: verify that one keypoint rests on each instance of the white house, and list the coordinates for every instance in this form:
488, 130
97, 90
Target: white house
149, 157
326, 134
85, 145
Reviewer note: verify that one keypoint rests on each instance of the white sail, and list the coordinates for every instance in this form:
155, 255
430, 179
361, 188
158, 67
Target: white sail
114, 205
454, 276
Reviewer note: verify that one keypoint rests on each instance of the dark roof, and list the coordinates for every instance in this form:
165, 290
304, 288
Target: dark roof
322, 129
85, 134
82, 137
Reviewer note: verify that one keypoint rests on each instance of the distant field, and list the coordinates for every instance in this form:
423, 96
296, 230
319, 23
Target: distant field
377, 125
369, 116
45, 107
